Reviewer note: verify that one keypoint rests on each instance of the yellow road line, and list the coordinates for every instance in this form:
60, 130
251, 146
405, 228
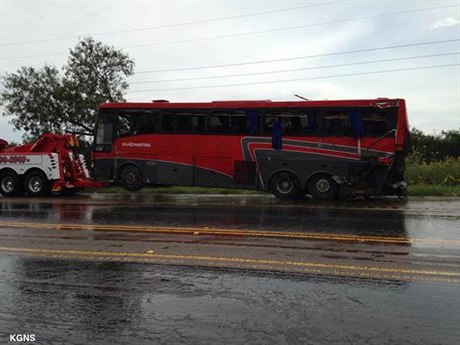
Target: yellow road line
228, 232
319, 267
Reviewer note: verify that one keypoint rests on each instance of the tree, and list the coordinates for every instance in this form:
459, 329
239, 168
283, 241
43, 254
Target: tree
52, 100
435, 147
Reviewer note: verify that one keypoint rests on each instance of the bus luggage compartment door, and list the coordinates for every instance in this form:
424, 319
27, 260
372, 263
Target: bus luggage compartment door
244, 173
175, 170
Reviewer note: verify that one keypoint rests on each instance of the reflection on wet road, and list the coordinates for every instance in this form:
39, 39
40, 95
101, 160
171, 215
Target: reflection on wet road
85, 302
230, 269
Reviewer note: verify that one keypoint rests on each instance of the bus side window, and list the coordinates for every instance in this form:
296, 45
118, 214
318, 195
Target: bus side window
146, 124
184, 123
336, 123
169, 122
125, 125
219, 124
297, 125
198, 123
240, 124
375, 123
267, 124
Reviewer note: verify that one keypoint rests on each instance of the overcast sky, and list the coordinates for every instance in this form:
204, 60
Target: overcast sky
188, 34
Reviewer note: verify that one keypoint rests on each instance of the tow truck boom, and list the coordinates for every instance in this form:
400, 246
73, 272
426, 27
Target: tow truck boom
50, 164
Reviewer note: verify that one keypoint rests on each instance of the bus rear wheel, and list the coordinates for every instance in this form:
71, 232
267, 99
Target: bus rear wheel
285, 186
323, 187
131, 178
10, 184
36, 184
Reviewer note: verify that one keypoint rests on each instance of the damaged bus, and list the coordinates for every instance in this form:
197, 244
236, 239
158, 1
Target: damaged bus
327, 149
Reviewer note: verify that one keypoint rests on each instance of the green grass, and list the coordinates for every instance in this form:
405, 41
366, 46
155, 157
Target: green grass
433, 190
445, 173
434, 179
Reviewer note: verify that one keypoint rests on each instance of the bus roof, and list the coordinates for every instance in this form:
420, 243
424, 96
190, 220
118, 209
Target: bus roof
256, 104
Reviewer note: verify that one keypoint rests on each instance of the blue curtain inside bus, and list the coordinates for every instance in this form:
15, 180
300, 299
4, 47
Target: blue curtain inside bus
252, 117
277, 133
356, 123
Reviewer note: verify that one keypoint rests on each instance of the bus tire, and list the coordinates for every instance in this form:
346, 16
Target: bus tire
10, 184
323, 186
131, 178
285, 186
36, 184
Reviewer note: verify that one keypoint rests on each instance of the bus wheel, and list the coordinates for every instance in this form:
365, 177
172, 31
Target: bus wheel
285, 186
37, 184
131, 178
323, 187
10, 184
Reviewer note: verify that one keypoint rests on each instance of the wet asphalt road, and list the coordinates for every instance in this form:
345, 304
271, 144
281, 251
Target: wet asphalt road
120, 269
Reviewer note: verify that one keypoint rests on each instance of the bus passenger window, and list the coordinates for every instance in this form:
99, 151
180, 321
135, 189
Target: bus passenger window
198, 124
295, 125
184, 123
268, 124
125, 125
144, 124
375, 124
240, 125
136, 122
219, 124
336, 124
169, 123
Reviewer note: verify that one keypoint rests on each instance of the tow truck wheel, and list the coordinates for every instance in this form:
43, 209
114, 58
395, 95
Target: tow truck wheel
285, 186
10, 184
131, 178
36, 184
323, 187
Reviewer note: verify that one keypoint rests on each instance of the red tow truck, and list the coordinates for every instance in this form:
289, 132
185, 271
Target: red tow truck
50, 164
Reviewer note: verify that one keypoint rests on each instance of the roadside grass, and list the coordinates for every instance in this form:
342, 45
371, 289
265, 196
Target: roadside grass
433, 190
433, 179
443, 173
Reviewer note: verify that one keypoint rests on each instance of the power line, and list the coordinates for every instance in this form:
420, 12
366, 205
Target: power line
243, 34
301, 57
284, 28
149, 28
296, 69
298, 79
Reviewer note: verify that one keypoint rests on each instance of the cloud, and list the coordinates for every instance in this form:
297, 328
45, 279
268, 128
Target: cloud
442, 23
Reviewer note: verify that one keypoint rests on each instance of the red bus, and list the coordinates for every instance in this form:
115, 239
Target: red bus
327, 149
